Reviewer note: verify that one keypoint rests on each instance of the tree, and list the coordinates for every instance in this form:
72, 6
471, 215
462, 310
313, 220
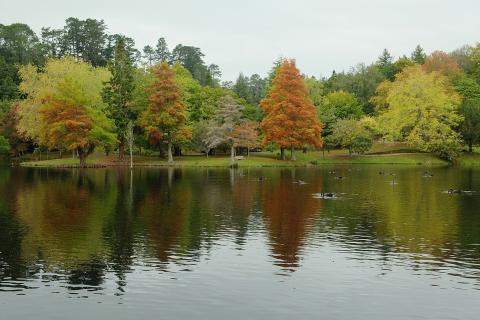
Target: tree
164, 120
402, 63
441, 62
241, 87
227, 117
162, 54
118, 94
352, 135
69, 122
290, 117
245, 135
338, 105
361, 81
200, 138
4, 146
386, 66
130, 138
39, 86
462, 58
19, 45
149, 55
469, 89
475, 59
422, 109
8, 128
418, 55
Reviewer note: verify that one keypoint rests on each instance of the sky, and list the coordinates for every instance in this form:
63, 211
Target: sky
249, 35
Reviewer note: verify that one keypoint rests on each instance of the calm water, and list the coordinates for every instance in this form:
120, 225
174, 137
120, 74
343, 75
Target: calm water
224, 244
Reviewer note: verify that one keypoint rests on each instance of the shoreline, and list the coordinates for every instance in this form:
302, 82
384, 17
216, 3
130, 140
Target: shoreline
264, 160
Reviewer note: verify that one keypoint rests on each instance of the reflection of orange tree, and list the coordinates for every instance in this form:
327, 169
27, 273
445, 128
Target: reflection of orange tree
165, 210
287, 208
65, 215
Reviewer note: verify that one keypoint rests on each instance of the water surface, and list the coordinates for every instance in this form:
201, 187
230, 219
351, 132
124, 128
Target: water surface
240, 244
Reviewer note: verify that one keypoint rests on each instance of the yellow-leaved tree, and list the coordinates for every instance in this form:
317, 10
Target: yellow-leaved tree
422, 109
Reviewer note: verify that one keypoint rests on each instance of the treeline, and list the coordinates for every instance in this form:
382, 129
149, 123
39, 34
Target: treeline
79, 89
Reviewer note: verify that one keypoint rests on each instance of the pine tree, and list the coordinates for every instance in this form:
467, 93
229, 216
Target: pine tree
418, 55
117, 94
386, 66
290, 117
162, 54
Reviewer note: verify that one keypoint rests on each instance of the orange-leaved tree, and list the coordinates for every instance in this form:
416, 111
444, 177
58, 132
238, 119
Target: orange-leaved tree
291, 119
69, 122
165, 117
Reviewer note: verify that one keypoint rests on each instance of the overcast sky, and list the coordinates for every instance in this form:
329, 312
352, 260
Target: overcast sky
248, 35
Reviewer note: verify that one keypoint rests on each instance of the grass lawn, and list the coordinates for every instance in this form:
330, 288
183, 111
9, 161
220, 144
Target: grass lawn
380, 154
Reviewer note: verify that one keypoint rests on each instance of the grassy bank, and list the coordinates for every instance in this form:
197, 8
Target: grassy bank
264, 159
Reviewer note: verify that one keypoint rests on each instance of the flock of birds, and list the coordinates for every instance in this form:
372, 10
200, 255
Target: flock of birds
332, 195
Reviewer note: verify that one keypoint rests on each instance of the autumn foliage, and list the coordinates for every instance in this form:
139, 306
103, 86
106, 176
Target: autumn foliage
442, 62
165, 117
290, 117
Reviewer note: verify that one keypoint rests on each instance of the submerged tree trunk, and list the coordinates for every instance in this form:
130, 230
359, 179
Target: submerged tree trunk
170, 156
282, 153
292, 154
121, 150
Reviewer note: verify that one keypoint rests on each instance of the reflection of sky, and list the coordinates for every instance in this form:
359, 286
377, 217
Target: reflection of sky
228, 284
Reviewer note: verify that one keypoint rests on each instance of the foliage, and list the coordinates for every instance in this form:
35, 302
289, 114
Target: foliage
200, 139
441, 62
4, 146
69, 122
227, 117
245, 135
352, 135
338, 105
40, 86
361, 81
165, 117
386, 66
418, 55
290, 116
118, 93
469, 89
422, 109
8, 128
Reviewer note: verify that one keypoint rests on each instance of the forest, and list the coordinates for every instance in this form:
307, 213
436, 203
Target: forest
80, 90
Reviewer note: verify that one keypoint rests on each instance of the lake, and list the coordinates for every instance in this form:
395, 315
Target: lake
388, 243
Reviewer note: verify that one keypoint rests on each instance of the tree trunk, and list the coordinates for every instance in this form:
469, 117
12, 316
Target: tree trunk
292, 154
121, 150
82, 157
177, 151
232, 155
470, 146
131, 157
170, 156
248, 152
282, 153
